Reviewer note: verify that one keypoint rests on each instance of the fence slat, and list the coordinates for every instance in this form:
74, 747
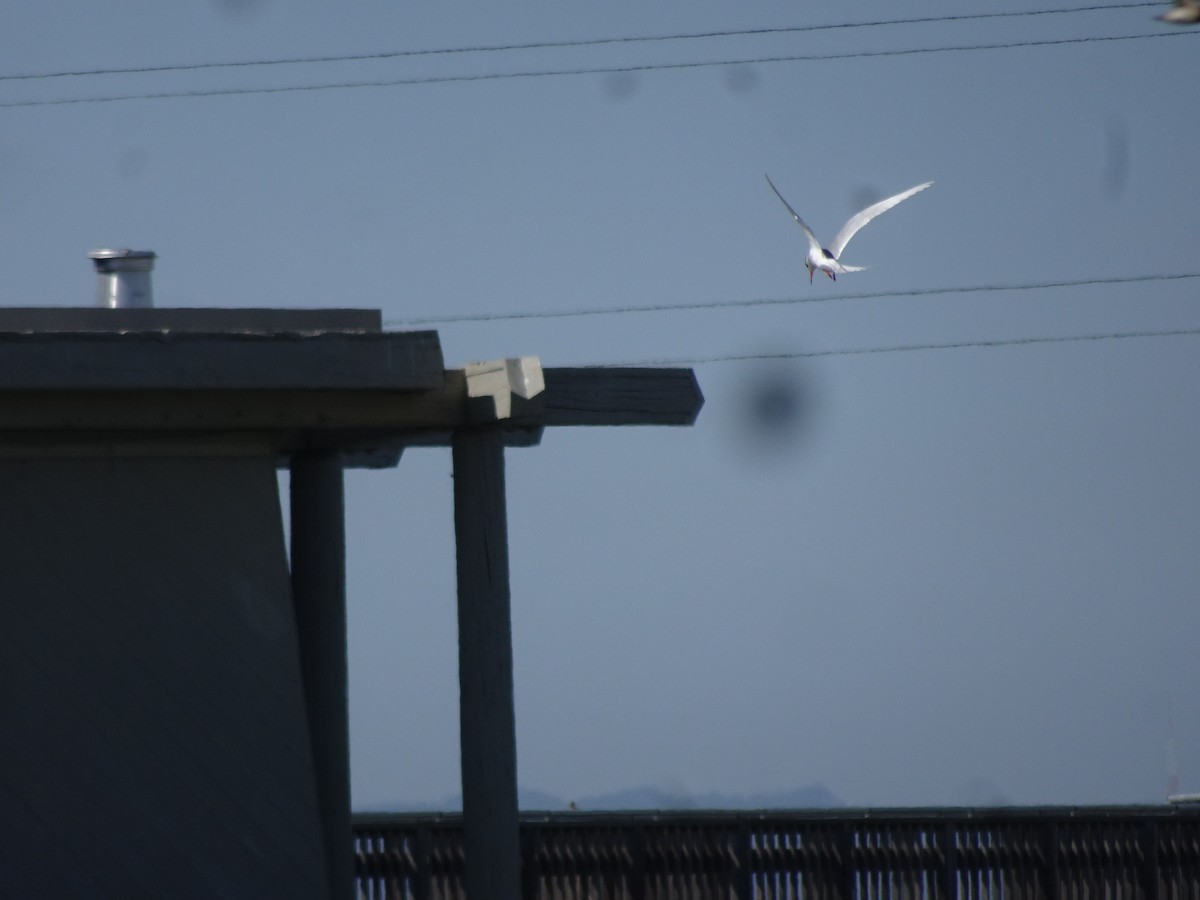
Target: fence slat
1079, 853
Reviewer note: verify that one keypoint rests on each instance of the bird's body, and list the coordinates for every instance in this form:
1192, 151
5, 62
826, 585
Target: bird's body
1185, 12
828, 259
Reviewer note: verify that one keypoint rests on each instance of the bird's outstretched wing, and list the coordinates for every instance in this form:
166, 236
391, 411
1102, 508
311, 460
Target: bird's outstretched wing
812, 239
1184, 12
858, 220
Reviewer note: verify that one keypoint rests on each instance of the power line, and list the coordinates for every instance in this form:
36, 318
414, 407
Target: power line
783, 301
594, 70
913, 348
592, 42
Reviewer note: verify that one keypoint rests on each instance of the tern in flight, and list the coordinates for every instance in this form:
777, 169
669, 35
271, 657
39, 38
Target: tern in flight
827, 259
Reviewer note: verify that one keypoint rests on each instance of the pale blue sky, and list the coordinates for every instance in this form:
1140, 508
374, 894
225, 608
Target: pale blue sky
949, 565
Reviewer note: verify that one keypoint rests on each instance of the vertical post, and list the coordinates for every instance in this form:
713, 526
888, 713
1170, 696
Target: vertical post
1150, 878
319, 595
948, 876
1052, 878
743, 878
485, 672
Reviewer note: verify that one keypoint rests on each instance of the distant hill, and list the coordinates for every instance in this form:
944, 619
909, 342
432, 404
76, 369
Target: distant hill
815, 796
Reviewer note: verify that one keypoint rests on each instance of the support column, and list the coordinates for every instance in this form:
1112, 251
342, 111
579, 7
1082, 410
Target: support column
319, 594
485, 671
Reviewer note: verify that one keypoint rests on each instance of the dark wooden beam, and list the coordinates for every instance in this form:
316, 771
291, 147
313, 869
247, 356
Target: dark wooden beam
184, 320
485, 669
586, 396
138, 361
365, 415
599, 395
318, 561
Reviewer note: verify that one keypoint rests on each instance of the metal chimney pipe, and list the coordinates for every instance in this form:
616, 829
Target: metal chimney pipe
123, 278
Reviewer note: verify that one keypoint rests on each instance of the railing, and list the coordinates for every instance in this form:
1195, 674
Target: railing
1088, 853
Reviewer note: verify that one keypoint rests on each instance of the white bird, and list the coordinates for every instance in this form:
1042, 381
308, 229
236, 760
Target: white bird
828, 259
1185, 12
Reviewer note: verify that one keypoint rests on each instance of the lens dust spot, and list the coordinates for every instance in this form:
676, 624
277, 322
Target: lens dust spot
239, 8
777, 405
132, 163
1115, 171
863, 196
741, 79
620, 85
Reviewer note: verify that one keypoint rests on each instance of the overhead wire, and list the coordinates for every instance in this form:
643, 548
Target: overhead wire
783, 301
596, 70
572, 44
424, 80
913, 348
